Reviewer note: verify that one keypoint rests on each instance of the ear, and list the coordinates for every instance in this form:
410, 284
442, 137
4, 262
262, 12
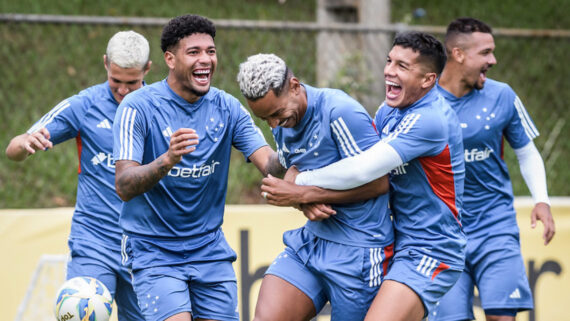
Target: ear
294, 85
458, 54
105, 62
170, 59
429, 80
147, 67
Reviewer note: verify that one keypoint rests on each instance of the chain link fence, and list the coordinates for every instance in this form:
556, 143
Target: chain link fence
46, 60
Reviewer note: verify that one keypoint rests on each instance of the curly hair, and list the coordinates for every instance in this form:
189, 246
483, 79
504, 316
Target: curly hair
432, 54
183, 26
261, 73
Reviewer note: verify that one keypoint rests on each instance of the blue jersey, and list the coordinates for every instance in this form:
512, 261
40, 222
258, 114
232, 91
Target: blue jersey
486, 116
88, 117
426, 191
189, 200
336, 126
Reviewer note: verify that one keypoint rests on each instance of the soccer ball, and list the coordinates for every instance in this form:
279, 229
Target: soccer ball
83, 299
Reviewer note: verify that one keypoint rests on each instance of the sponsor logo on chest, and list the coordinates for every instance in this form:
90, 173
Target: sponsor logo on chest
103, 158
194, 171
476, 155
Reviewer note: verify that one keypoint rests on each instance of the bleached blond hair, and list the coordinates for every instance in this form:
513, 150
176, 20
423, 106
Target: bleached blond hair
128, 49
261, 73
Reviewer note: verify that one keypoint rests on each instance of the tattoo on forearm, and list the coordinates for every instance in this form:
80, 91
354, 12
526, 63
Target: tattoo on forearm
141, 179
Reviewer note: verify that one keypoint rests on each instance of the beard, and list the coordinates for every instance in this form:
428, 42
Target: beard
199, 93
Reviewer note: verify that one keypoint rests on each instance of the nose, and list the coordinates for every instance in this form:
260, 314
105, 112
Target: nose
123, 90
388, 69
492, 60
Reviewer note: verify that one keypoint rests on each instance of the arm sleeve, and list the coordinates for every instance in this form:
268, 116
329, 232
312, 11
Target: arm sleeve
367, 166
532, 170
520, 130
247, 137
62, 121
128, 133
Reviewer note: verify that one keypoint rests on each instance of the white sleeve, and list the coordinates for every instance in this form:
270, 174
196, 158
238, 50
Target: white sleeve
351, 172
532, 170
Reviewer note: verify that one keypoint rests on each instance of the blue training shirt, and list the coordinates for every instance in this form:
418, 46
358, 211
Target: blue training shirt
88, 117
189, 201
426, 191
486, 116
336, 126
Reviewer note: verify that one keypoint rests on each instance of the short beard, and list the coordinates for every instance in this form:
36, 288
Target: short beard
200, 93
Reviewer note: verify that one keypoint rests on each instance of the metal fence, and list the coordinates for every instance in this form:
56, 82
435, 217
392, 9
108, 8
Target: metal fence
48, 58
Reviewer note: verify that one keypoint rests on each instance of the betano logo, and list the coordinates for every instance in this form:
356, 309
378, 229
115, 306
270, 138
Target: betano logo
194, 172
475, 155
102, 157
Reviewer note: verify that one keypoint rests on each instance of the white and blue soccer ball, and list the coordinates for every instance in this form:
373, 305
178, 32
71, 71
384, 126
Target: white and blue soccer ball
83, 299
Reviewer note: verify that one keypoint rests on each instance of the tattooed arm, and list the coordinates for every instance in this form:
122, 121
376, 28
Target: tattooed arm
132, 178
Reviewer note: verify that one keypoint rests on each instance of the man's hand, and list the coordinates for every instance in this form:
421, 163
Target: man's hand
132, 178
279, 192
182, 142
37, 141
317, 212
26, 144
541, 212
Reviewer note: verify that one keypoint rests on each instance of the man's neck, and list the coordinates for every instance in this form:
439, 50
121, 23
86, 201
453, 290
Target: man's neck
452, 81
179, 90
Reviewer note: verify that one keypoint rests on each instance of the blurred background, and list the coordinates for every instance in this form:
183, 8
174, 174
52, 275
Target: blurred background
51, 50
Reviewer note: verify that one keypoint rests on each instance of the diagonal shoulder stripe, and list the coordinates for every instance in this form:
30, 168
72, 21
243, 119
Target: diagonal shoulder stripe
404, 126
528, 126
47, 118
344, 136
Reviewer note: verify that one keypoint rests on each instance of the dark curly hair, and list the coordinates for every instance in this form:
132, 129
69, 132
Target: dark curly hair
432, 54
182, 26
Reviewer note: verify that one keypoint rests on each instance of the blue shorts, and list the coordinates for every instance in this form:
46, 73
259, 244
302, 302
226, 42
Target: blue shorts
429, 277
89, 259
347, 276
495, 265
174, 276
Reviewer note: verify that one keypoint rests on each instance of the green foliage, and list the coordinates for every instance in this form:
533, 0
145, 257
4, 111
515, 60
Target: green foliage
353, 77
45, 63
536, 68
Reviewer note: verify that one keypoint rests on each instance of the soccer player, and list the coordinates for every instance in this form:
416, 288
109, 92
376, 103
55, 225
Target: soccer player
173, 141
339, 257
488, 111
422, 150
95, 237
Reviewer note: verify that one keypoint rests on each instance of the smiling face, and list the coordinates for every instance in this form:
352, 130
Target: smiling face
285, 110
407, 79
192, 65
478, 57
123, 80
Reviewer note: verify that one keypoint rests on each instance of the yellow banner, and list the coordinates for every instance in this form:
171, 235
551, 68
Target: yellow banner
255, 233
